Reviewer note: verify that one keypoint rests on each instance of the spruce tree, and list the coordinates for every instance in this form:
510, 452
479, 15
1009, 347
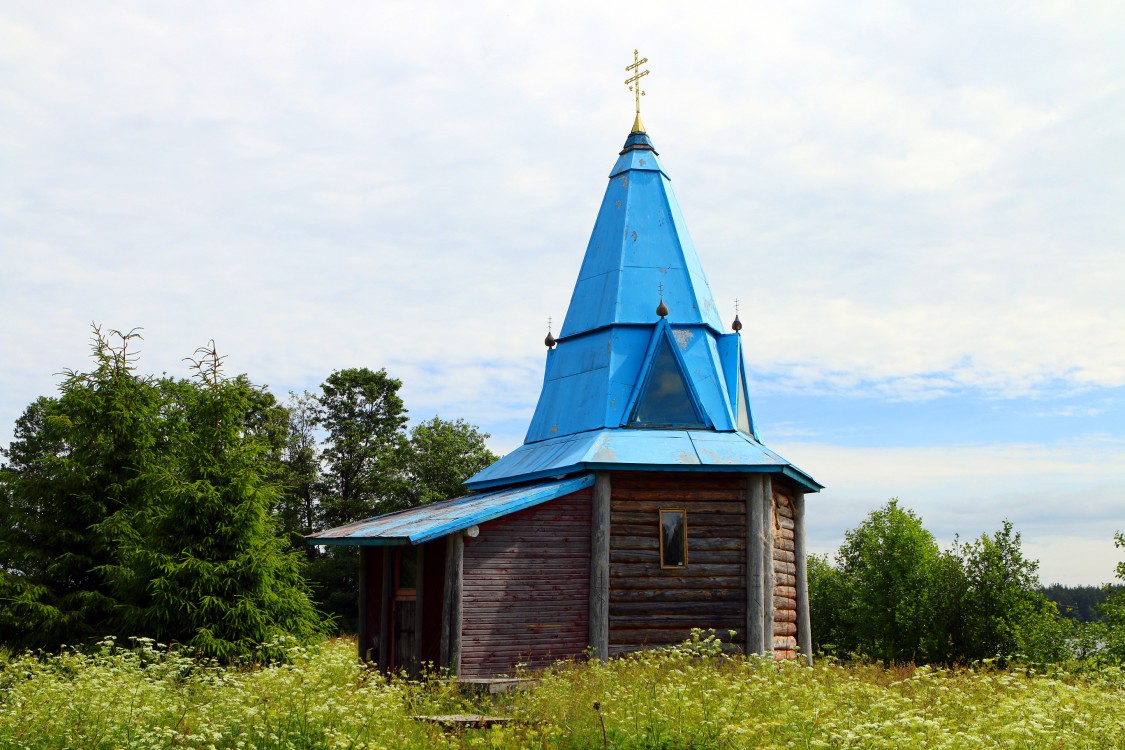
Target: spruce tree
215, 574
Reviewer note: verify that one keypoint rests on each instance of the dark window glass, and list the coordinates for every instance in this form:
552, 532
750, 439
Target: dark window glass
665, 400
408, 568
673, 539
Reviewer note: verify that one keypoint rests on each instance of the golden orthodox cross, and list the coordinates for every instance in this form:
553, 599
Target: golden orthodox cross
634, 83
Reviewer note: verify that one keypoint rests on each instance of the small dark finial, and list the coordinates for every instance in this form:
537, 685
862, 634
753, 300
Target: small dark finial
550, 340
736, 326
662, 309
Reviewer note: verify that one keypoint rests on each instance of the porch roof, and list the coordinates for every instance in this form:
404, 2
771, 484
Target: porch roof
418, 525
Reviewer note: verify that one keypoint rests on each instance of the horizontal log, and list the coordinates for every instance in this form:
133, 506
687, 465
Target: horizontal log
784, 602
782, 508
692, 570
784, 523
784, 568
785, 615
662, 636
629, 481
689, 608
676, 582
701, 499
787, 592
785, 579
634, 538
785, 642
698, 595
663, 621
784, 655
785, 543
783, 555
703, 520
784, 628
694, 556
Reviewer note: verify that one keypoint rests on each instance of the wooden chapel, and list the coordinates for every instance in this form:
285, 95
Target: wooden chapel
641, 504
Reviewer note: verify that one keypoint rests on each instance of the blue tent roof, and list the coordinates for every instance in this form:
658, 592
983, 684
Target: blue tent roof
618, 363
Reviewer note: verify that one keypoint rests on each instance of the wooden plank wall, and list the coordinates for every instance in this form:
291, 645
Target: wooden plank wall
784, 571
651, 607
526, 588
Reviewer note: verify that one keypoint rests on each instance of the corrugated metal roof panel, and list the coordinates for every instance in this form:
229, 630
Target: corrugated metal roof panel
418, 525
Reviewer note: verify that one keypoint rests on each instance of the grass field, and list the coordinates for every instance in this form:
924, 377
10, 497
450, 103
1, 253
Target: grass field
146, 697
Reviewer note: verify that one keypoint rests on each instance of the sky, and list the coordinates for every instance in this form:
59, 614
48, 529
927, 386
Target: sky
919, 207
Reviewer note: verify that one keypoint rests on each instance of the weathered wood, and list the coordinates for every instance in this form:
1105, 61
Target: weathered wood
527, 600
784, 628
783, 508
386, 596
755, 579
694, 500
698, 595
729, 606
648, 540
675, 581
785, 615
784, 542
693, 570
769, 521
785, 523
788, 592
452, 608
785, 579
599, 566
717, 520
804, 626
786, 642
702, 557
780, 555
363, 637
419, 613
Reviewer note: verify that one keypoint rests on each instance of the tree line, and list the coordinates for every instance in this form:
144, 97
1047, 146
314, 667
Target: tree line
893, 595
176, 508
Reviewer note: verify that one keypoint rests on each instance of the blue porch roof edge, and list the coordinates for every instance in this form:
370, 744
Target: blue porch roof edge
638, 450
418, 525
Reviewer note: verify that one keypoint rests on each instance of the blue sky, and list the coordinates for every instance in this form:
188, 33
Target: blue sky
918, 205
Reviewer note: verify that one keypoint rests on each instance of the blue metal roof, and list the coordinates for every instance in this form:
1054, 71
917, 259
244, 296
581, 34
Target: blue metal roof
639, 450
595, 379
418, 525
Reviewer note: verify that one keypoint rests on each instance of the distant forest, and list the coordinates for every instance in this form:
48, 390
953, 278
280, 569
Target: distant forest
1079, 602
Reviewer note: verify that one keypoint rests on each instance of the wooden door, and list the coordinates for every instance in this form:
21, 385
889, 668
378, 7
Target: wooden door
404, 611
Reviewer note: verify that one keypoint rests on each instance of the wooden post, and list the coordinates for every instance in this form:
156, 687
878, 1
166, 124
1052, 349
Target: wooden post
599, 567
416, 668
386, 602
364, 635
755, 593
452, 612
804, 625
768, 580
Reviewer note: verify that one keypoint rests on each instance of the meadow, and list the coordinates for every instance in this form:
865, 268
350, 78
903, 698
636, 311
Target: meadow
146, 696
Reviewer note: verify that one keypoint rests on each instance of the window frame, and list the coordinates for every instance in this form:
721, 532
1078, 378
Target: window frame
660, 531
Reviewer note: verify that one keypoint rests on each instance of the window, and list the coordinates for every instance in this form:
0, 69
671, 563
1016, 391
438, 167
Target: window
406, 573
673, 539
665, 400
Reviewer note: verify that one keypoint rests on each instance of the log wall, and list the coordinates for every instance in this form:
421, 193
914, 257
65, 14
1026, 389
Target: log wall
651, 607
526, 588
784, 571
